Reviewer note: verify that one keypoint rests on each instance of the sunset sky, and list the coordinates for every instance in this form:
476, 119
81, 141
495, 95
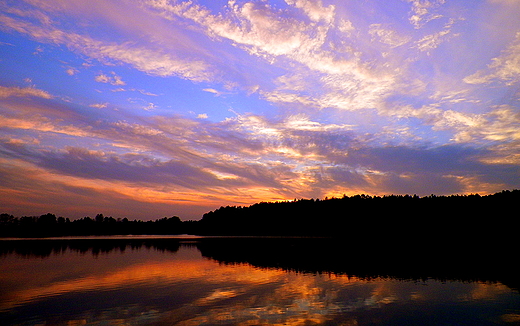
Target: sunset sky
152, 108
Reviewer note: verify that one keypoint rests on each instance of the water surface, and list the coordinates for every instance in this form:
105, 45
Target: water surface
231, 282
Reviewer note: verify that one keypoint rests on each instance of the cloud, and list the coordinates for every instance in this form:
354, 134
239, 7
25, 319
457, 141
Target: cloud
102, 79
337, 75
342, 159
150, 107
142, 91
419, 170
250, 158
42, 124
421, 11
504, 68
260, 29
334, 79
432, 41
31, 190
71, 71
6, 92
498, 124
214, 91
387, 36
114, 79
130, 168
99, 105
146, 59
314, 9
225, 158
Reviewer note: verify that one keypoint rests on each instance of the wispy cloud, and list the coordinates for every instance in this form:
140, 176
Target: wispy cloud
152, 61
432, 41
211, 90
387, 36
423, 11
504, 68
23, 92
99, 105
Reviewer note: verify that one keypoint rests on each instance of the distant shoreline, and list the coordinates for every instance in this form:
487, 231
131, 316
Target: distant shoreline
463, 218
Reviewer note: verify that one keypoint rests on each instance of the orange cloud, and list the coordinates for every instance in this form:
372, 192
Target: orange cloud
23, 92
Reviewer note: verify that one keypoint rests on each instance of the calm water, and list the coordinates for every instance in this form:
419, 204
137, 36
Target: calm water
195, 282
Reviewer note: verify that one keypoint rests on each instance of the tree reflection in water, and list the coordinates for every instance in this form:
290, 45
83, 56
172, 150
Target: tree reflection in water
250, 281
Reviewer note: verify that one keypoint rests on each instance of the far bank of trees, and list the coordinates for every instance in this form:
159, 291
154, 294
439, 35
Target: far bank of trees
362, 219
48, 225
404, 218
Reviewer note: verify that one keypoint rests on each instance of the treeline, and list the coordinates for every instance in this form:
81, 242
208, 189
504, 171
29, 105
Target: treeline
48, 225
394, 219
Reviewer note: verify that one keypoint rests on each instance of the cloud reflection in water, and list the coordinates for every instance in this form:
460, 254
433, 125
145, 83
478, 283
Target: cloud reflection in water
144, 284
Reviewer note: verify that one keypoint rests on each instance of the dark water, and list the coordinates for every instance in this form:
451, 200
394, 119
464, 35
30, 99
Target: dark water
242, 282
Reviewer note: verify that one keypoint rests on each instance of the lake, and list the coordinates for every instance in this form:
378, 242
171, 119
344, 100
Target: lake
255, 281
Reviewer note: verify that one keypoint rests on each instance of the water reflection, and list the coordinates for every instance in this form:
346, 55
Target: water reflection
237, 282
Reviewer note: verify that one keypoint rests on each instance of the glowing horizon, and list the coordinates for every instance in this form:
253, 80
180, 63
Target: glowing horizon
152, 108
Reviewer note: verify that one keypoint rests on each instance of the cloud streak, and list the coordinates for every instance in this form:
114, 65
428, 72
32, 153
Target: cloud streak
6, 92
504, 68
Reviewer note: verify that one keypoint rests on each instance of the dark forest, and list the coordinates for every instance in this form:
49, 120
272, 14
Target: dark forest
394, 218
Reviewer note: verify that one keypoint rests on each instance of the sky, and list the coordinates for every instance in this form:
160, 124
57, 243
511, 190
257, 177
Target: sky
152, 108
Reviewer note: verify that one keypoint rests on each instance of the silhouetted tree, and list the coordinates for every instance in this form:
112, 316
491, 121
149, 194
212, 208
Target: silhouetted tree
47, 220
